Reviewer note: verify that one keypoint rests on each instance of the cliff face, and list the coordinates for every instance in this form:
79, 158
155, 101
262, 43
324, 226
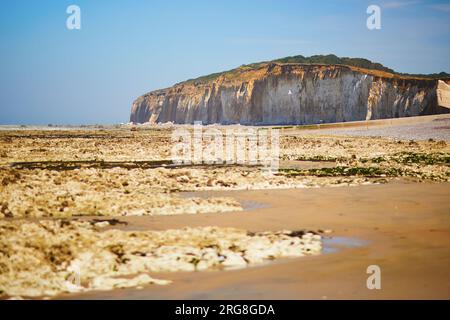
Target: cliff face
289, 94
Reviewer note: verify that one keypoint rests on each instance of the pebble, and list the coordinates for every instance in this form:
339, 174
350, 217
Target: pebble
102, 224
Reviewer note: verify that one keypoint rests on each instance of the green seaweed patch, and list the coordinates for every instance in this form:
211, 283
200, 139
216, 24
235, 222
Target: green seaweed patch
371, 172
422, 158
318, 158
375, 160
412, 158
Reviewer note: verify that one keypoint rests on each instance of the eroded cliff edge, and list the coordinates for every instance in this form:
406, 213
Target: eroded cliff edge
284, 93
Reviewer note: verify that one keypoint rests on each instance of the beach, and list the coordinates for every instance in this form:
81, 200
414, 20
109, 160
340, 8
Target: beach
106, 206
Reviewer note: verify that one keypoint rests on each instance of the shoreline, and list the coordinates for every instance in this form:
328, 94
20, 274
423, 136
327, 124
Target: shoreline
388, 192
411, 267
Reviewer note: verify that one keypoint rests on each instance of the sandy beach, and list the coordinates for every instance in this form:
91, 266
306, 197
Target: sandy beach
403, 227
105, 201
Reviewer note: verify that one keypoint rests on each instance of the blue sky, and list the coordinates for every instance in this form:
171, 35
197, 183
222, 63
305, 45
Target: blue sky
49, 74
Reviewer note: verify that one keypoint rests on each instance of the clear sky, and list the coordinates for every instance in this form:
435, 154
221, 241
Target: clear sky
49, 74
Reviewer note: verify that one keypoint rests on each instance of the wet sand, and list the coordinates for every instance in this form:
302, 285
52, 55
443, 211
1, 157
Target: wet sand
405, 228
389, 196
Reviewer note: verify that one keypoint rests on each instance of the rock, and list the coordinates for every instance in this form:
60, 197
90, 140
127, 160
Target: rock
307, 236
234, 260
319, 94
102, 224
254, 256
443, 94
93, 259
183, 179
72, 287
108, 283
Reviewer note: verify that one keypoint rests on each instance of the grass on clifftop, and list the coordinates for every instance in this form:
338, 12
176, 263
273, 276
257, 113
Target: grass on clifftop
330, 59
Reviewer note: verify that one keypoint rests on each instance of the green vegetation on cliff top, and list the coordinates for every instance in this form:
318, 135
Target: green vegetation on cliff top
320, 59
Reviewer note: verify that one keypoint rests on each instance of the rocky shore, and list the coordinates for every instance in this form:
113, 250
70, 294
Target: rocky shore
66, 198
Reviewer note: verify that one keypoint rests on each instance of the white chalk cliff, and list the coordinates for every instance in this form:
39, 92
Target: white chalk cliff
286, 93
